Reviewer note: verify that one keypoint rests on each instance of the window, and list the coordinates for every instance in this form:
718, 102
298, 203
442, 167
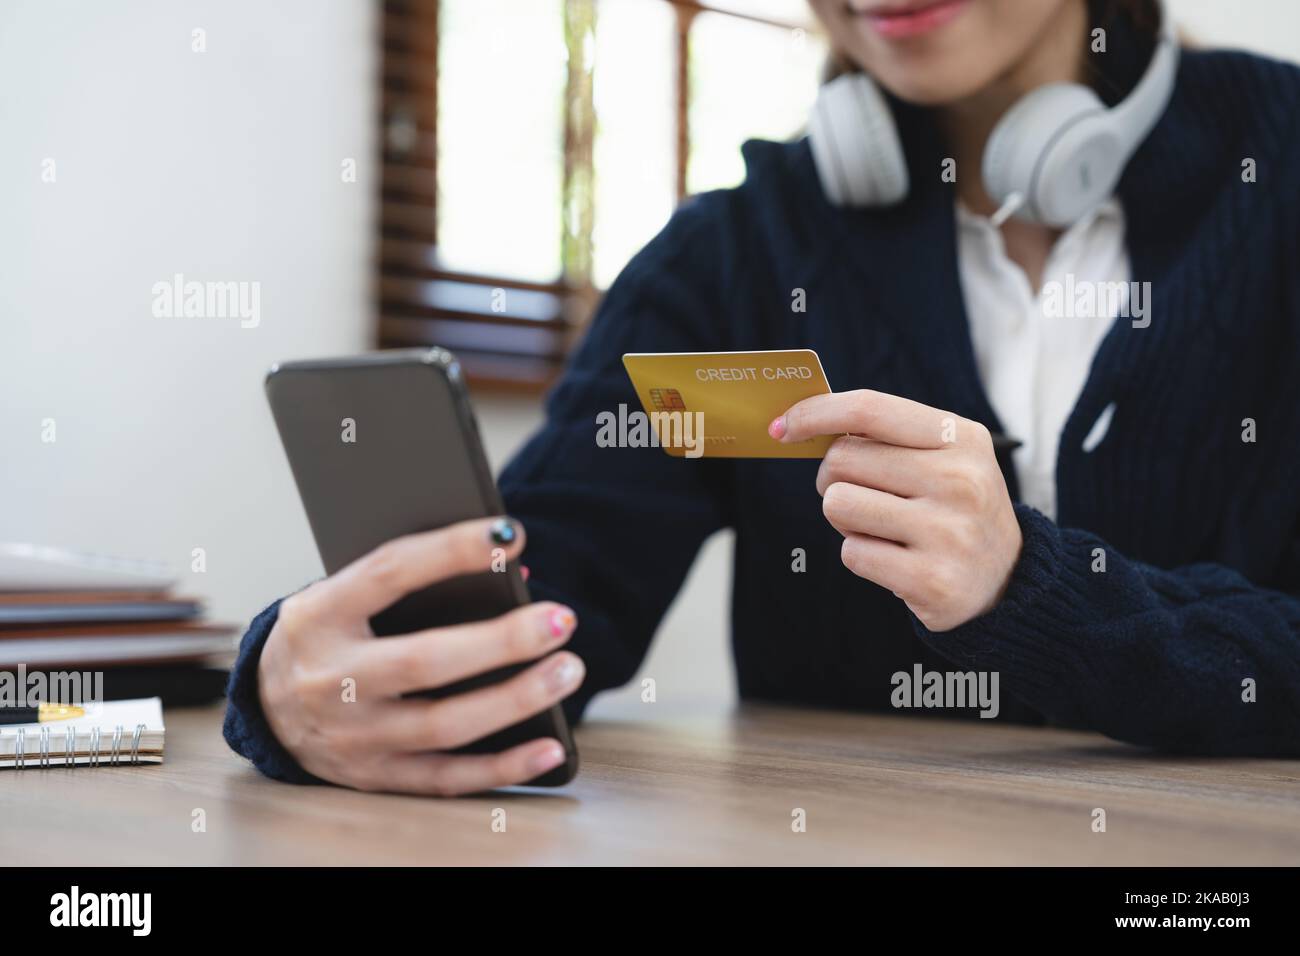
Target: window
500, 160
531, 147
747, 81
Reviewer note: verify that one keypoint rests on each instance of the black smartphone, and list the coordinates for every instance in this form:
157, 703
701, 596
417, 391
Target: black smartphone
384, 445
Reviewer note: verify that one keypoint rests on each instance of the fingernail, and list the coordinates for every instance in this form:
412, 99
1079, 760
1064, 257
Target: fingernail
777, 428
524, 572
565, 674
503, 531
547, 758
562, 622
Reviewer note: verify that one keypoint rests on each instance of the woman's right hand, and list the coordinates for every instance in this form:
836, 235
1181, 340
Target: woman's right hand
366, 734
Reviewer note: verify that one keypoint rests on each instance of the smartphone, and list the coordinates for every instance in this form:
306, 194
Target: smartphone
384, 445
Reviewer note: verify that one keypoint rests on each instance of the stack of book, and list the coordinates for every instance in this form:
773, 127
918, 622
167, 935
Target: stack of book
118, 621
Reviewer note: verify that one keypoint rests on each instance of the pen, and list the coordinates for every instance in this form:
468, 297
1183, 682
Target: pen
40, 714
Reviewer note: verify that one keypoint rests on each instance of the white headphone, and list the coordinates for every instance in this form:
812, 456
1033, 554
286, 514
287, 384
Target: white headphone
1052, 158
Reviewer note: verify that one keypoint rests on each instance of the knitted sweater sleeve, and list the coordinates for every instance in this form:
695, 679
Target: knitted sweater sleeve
1194, 659
245, 727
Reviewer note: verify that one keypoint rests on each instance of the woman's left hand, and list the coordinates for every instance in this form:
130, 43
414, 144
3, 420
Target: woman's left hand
920, 500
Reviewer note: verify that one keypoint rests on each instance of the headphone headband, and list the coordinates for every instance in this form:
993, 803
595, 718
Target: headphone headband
1138, 113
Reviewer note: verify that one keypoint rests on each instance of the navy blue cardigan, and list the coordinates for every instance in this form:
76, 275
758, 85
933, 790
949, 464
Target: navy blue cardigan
1200, 528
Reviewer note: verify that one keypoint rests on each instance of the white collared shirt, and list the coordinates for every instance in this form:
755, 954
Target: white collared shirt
1032, 359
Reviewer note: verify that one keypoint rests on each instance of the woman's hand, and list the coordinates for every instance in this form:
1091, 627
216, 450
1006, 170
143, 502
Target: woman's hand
920, 500
332, 692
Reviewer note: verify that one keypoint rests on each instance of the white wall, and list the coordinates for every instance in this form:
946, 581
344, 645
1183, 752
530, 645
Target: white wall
223, 165
1271, 27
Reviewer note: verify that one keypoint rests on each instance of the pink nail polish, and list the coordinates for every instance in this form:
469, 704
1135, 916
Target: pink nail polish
562, 621
777, 428
524, 572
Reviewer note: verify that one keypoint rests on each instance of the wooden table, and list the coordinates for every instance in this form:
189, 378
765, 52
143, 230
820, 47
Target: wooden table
704, 787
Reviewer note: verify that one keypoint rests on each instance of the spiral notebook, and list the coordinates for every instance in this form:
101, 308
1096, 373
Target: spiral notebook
110, 734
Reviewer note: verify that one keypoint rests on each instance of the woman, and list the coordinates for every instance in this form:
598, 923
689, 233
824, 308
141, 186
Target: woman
1133, 568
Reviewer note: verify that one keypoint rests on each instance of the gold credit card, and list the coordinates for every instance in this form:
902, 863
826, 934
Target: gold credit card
719, 404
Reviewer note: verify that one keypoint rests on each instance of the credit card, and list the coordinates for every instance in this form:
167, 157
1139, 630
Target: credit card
719, 404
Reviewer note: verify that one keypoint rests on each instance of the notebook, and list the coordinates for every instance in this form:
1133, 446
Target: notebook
112, 733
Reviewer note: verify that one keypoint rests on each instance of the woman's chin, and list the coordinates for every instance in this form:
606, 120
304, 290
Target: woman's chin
927, 87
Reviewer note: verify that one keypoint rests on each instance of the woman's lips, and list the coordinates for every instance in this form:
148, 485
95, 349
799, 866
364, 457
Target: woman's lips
896, 21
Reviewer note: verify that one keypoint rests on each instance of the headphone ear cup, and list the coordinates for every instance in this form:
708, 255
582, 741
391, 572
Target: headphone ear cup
855, 144
1016, 156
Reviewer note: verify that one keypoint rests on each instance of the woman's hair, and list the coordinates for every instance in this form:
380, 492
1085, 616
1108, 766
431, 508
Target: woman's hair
1143, 14
1142, 18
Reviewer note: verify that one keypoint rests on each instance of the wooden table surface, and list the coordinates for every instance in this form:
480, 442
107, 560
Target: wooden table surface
705, 788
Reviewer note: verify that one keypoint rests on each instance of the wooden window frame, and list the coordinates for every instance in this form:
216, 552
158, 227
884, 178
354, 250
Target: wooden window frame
508, 333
